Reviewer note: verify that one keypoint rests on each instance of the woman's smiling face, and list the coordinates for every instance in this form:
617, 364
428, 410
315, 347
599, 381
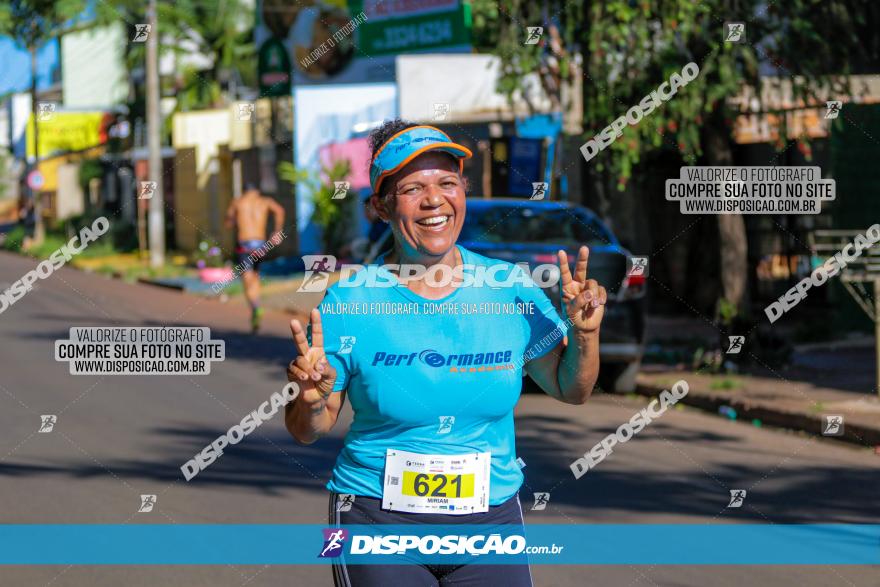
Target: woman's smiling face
425, 205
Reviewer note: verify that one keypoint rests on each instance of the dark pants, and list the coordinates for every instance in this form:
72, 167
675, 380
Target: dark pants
368, 510
243, 252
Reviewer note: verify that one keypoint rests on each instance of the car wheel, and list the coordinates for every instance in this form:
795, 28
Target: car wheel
619, 377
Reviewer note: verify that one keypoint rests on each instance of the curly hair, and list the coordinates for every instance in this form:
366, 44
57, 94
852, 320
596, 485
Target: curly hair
389, 128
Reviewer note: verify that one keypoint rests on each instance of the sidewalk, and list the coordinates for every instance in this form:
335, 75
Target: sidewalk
828, 378
773, 401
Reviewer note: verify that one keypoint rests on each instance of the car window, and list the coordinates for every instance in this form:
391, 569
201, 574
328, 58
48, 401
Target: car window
520, 224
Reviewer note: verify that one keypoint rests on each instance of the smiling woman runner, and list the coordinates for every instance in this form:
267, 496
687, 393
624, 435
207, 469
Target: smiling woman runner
428, 389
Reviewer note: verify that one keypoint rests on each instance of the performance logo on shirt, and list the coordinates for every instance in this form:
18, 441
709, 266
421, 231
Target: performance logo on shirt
457, 363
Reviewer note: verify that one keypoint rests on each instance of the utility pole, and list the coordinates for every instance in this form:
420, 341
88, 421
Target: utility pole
156, 217
39, 229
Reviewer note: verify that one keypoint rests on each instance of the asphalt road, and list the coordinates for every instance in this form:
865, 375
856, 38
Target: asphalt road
121, 436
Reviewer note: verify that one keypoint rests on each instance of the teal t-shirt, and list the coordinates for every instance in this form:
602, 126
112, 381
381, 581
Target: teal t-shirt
434, 376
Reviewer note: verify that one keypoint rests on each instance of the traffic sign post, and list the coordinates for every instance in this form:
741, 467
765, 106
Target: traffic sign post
35, 180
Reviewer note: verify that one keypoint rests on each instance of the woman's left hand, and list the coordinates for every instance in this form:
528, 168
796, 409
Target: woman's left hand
584, 298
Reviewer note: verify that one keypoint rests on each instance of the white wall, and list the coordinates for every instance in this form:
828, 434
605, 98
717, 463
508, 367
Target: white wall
70, 199
468, 83
93, 73
205, 130
329, 114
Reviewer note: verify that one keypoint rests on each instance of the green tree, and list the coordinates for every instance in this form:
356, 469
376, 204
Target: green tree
332, 215
630, 46
219, 30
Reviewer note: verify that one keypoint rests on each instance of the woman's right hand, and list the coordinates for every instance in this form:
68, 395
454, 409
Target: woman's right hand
311, 370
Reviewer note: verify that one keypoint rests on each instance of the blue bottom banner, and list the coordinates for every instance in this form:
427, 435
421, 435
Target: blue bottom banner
541, 544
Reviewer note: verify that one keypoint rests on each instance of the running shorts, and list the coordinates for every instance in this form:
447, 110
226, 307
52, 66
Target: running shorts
243, 252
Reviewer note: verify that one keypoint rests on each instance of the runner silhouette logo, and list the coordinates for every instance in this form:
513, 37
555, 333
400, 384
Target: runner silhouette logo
446, 423
533, 34
346, 344
147, 503
317, 275
48, 423
541, 500
735, 344
735, 32
832, 425
344, 502
334, 539
832, 109
737, 498
141, 33
340, 190
539, 190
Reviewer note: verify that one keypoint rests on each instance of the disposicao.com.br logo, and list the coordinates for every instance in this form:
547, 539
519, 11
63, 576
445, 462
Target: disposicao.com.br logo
431, 544
497, 275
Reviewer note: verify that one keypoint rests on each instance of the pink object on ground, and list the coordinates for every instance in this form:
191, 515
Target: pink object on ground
215, 274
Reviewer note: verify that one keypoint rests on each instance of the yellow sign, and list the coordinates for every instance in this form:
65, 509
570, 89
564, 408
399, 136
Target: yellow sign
63, 132
49, 167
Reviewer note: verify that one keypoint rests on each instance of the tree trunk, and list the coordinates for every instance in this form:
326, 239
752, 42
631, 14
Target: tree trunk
731, 227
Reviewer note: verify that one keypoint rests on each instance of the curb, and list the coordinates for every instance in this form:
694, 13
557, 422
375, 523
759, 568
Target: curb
747, 410
149, 281
179, 288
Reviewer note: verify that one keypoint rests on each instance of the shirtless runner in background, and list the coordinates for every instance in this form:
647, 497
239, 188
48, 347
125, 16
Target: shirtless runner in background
249, 214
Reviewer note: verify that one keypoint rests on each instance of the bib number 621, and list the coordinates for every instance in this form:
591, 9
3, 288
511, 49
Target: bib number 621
437, 485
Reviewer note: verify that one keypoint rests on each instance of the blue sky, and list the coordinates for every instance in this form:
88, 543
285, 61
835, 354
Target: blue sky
15, 73
15, 61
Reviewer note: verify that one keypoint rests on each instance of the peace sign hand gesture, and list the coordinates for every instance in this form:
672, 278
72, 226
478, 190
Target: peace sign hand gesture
584, 298
311, 370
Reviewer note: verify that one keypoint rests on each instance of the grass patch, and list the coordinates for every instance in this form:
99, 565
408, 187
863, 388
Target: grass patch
12, 239
234, 289
131, 266
666, 382
817, 407
100, 257
725, 383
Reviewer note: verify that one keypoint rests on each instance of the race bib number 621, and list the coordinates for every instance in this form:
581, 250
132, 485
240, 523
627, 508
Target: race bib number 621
440, 484
437, 485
